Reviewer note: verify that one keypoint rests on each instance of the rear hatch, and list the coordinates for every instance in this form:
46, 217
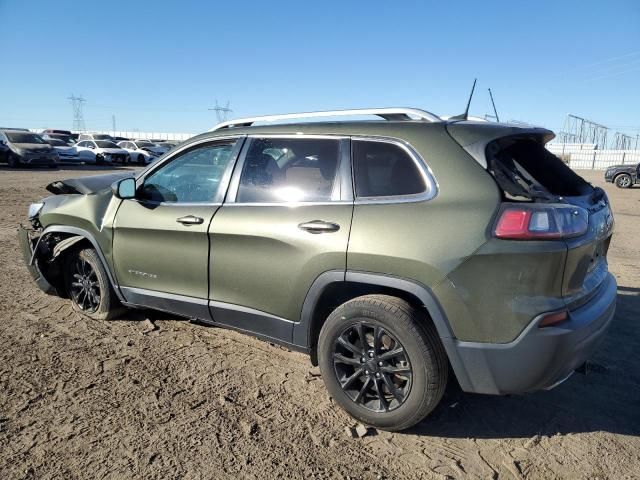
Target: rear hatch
531, 177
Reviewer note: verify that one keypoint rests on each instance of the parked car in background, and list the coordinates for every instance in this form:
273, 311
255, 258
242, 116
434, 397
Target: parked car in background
15, 128
623, 176
167, 145
23, 148
96, 136
120, 139
101, 152
56, 132
67, 151
141, 151
68, 139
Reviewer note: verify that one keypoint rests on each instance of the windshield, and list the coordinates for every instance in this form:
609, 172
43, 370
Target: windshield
145, 143
103, 144
24, 137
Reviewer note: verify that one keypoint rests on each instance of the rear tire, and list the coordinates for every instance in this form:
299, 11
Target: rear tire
393, 379
87, 284
12, 161
623, 180
140, 159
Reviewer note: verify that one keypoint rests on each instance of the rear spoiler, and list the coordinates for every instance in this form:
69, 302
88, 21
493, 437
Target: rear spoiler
475, 136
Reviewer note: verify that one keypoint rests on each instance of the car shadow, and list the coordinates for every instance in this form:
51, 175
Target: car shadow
607, 398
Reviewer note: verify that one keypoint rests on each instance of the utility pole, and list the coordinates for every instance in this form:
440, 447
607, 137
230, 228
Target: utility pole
113, 123
78, 116
222, 113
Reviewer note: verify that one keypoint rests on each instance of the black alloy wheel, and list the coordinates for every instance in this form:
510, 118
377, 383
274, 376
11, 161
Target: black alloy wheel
372, 367
84, 287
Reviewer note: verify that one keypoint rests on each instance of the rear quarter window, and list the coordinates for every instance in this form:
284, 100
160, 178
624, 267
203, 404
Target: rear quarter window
384, 169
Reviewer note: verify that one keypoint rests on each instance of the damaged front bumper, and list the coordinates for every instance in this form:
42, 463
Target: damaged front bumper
27, 238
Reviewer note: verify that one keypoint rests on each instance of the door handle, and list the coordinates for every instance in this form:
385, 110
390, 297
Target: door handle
319, 226
190, 220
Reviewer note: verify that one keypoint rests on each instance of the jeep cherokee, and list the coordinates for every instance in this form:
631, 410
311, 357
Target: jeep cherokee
395, 252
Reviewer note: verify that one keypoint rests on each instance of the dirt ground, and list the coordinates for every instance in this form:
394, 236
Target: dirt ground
87, 399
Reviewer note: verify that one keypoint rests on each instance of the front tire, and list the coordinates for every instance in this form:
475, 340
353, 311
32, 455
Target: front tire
382, 361
12, 161
88, 286
623, 180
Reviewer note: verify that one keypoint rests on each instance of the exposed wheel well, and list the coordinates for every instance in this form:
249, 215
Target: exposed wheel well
335, 294
51, 262
621, 173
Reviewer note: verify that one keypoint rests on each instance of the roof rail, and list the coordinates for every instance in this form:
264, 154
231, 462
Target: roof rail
385, 113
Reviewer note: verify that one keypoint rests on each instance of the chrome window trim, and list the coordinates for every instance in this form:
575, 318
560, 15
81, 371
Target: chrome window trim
430, 181
224, 180
345, 197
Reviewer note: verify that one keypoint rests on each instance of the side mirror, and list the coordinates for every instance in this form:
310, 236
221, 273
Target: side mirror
124, 189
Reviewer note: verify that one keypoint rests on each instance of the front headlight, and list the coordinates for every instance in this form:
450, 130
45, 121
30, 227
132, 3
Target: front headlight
34, 210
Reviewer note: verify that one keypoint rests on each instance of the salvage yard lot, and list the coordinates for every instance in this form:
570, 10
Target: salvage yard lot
127, 399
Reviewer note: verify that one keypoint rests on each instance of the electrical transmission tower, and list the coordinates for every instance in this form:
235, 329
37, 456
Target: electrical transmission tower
78, 116
222, 112
580, 130
622, 141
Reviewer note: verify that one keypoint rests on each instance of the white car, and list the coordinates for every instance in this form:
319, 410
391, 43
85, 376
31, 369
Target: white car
67, 151
141, 151
100, 152
95, 137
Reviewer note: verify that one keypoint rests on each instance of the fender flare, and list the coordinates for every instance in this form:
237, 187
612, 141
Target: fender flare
302, 330
78, 234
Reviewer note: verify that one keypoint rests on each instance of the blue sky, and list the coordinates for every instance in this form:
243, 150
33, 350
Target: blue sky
158, 66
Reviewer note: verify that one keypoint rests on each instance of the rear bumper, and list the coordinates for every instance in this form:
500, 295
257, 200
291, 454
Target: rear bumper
26, 247
539, 358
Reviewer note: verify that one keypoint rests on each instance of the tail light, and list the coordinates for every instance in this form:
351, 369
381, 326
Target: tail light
540, 222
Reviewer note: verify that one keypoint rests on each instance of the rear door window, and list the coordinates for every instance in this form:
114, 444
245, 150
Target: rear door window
384, 169
279, 170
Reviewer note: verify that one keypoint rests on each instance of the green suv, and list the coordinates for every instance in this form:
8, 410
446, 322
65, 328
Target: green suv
396, 252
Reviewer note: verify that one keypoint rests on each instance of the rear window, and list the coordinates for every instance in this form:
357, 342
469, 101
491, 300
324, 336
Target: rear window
383, 169
527, 171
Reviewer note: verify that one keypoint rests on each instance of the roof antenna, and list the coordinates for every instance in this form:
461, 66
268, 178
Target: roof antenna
465, 115
494, 106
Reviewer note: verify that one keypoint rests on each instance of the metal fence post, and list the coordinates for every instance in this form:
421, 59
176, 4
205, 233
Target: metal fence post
593, 164
624, 154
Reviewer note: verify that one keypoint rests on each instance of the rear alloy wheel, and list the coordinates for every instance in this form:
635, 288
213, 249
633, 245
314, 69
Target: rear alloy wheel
372, 367
88, 285
623, 180
382, 361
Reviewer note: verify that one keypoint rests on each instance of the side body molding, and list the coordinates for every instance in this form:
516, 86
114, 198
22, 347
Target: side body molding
83, 234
